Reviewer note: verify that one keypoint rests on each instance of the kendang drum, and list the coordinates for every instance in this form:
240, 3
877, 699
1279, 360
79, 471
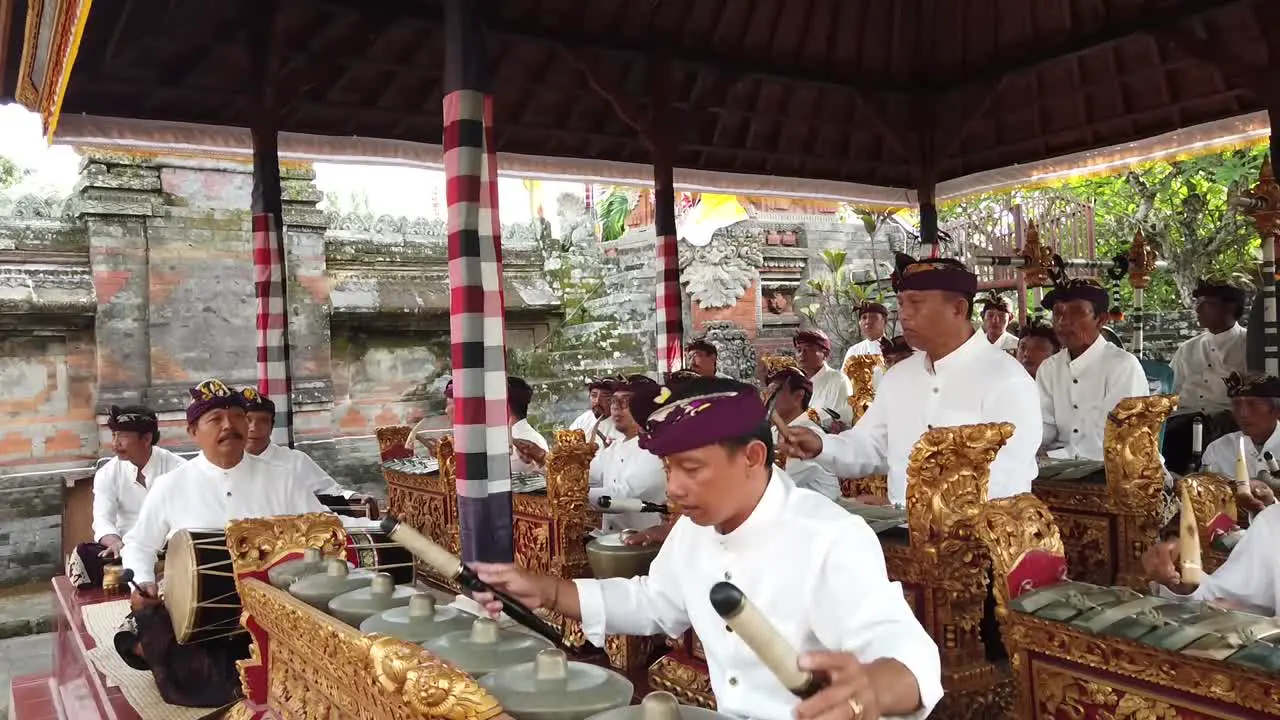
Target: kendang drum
200, 586
374, 550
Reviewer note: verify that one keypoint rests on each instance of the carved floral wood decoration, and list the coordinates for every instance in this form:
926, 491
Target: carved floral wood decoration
861, 369
1135, 477
718, 274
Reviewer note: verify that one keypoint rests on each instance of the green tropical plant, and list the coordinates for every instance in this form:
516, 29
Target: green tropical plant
831, 300
613, 211
10, 173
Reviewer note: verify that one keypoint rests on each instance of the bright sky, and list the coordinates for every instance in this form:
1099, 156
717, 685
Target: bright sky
411, 192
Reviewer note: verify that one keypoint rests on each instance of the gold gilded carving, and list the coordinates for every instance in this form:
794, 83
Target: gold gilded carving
628, 653
533, 544
1010, 528
1061, 693
391, 437
1131, 453
1088, 546
948, 473
1116, 662
692, 685
861, 369
1039, 258
774, 363
1211, 495
320, 668
1142, 262
568, 473
258, 543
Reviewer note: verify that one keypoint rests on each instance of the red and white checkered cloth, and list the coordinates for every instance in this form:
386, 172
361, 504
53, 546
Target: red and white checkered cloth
273, 333
477, 329
669, 335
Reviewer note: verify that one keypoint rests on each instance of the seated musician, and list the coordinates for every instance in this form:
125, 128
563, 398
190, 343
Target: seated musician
956, 377
596, 425
261, 413
1255, 406
1249, 580
529, 448
794, 391
813, 569
221, 484
1081, 384
119, 487
831, 387
995, 321
872, 319
624, 469
704, 358
1200, 365
895, 351
1037, 343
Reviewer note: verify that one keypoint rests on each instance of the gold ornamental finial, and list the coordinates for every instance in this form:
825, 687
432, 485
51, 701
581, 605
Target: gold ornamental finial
1038, 256
1142, 262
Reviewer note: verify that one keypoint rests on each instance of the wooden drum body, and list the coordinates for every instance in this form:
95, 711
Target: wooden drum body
373, 550
200, 586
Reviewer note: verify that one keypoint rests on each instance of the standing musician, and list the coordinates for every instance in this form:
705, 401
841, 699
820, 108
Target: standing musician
624, 469
995, 321
261, 413
956, 377
595, 421
119, 488
529, 448
1081, 384
813, 569
831, 387
794, 391
873, 317
1037, 343
1200, 365
221, 484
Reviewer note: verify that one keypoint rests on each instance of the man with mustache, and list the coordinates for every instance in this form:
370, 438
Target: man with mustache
119, 488
261, 413
221, 484
595, 423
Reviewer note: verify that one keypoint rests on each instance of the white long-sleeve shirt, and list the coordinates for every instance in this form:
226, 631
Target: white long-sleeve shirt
201, 495
1007, 342
1200, 365
1077, 395
1220, 456
522, 430
977, 383
1250, 578
305, 470
813, 569
862, 347
587, 420
808, 474
626, 470
831, 390
117, 494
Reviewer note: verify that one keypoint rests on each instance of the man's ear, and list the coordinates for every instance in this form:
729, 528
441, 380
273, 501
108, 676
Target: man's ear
757, 453
191, 429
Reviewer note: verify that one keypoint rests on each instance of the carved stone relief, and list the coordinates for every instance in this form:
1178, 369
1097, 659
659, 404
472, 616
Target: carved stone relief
717, 275
737, 356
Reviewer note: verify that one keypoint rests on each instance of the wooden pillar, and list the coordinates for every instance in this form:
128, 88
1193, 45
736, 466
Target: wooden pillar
275, 376
476, 320
669, 320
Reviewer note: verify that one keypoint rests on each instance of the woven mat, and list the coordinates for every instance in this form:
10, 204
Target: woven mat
138, 686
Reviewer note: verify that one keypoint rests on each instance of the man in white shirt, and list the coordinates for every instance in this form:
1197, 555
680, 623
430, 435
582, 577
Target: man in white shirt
1255, 404
831, 387
119, 488
261, 413
595, 423
794, 391
995, 321
221, 484
1248, 581
1082, 383
704, 358
1037, 344
528, 447
624, 469
956, 377
814, 570
1199, 367
873, 317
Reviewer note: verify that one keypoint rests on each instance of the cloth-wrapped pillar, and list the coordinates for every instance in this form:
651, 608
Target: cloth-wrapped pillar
275, 379
481, 432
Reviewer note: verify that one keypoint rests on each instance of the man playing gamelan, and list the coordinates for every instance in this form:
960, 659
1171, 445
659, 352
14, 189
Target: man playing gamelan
831, 387
119, 488
872, 319
595, 422
1255, 405
956, 377
813, 569
261, 413
624, 469
995, 321
794, 391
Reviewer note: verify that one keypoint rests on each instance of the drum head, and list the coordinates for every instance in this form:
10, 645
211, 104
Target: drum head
181, 583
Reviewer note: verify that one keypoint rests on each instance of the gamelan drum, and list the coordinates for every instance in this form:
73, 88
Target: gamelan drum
372, 549
200, 586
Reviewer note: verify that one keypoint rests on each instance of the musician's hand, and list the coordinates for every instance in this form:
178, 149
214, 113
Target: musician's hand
1263, 493
649, 536
529, 451
837, 427
1159, 562
872, 500
535, 591
801, 443
1250, 502
138, 602
113, 544
850, 694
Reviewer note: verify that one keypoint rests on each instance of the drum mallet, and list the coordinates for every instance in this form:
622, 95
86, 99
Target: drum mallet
127, 577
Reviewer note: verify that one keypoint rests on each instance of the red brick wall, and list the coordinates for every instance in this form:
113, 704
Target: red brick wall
742, 314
